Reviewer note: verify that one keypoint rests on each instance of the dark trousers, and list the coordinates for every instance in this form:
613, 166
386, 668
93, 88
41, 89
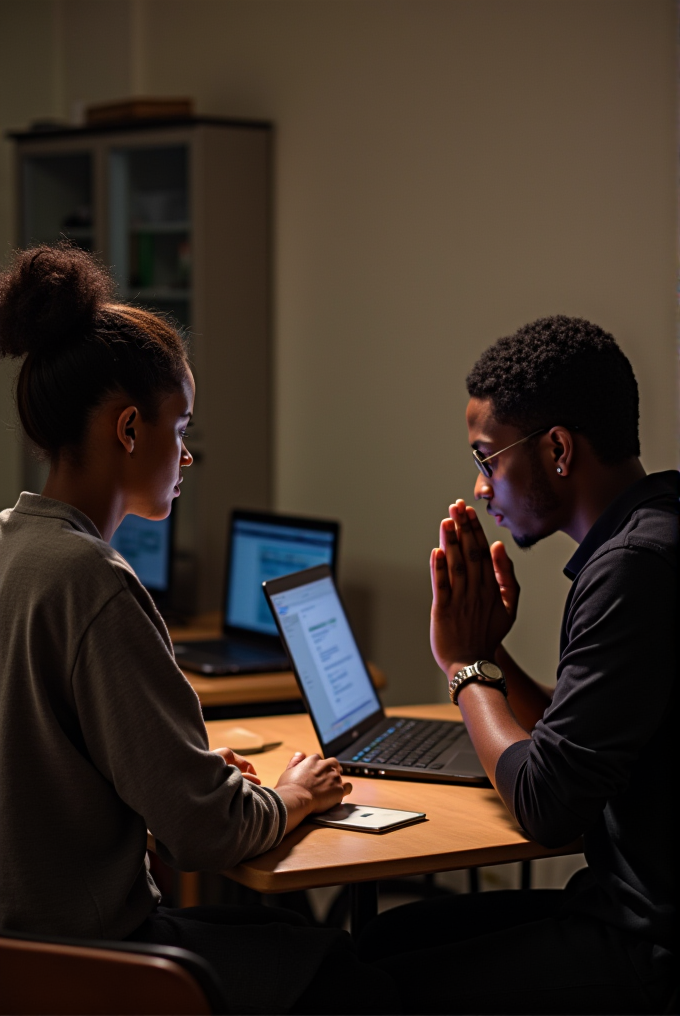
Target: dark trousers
270, 960
513, 952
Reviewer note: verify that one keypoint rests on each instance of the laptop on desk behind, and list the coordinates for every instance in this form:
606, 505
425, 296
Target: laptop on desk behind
342, 702
147, 545
260, 546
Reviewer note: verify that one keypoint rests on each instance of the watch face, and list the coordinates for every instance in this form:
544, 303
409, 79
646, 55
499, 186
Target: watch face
491, 671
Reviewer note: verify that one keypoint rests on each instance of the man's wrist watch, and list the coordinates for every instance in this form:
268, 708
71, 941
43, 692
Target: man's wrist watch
482, 670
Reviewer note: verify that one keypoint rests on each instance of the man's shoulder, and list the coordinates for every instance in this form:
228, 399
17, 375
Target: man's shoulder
629, 586
643, 550
654, 527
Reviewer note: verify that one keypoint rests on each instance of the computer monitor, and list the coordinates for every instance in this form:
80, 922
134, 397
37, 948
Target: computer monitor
147, 546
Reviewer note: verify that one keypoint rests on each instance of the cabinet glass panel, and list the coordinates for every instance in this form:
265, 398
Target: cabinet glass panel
58, 199
150, 231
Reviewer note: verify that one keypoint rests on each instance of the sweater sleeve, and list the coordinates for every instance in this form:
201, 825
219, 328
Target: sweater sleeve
144, 732
614, 684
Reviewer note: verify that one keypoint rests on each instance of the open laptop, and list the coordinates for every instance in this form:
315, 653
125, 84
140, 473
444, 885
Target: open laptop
146, 544
260, 546
342, 701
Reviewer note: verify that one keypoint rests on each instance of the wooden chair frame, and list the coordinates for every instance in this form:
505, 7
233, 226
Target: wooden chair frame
40, 974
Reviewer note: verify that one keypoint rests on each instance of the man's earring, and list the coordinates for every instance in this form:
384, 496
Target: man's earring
559, 470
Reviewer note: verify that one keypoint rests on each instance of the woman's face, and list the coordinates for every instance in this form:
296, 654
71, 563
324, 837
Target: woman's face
160, 454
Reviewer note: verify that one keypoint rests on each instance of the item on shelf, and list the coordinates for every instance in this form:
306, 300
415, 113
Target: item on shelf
183, 276
80, 217
138, 109
159, 261
142, 261
46, 124
158, 206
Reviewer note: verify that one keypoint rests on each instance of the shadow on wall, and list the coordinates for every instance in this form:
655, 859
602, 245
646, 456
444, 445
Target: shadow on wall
389, 609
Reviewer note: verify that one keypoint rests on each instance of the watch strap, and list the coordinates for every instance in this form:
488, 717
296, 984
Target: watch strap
475, 673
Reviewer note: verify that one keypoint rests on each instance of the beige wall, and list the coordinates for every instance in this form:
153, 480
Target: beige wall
446, 171
27, 91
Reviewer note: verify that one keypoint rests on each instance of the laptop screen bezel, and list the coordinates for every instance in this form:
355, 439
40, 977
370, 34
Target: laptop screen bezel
303, 578
331, 526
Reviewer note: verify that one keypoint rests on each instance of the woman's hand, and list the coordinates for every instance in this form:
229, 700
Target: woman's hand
474, 592
232, 759
310, 784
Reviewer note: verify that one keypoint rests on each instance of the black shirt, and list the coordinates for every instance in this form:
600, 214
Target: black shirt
601, 761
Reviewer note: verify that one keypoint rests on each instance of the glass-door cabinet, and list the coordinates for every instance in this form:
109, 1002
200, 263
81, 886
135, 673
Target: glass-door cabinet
58, 193
181, 212
150, 227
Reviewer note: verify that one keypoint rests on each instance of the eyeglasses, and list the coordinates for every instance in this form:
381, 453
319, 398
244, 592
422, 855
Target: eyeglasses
482, 463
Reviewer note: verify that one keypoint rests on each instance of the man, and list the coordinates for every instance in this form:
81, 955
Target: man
553, 424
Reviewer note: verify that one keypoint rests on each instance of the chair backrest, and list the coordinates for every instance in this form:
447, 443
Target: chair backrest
65, 976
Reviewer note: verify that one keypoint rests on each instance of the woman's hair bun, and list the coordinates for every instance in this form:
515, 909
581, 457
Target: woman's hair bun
49, 298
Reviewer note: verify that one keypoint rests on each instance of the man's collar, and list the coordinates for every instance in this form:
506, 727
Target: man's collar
613, 518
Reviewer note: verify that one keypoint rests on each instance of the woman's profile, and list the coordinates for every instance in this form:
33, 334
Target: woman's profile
101, 736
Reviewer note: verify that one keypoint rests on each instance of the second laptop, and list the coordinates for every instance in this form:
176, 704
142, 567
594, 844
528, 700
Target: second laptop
260, 546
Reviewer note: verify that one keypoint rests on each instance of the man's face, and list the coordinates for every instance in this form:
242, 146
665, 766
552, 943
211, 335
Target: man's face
519, 494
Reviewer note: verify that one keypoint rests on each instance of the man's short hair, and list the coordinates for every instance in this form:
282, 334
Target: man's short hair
562, 370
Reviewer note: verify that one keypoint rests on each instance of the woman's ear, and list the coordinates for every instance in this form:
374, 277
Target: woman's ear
125, 430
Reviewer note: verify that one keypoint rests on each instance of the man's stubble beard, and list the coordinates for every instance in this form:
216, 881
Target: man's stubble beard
540, 501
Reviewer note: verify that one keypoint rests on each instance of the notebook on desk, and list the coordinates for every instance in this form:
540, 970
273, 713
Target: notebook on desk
342, 702
260, 546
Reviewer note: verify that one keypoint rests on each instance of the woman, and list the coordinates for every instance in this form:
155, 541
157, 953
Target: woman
101, 735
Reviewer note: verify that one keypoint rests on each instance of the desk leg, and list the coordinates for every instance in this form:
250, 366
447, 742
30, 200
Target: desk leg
189, 889
363, 905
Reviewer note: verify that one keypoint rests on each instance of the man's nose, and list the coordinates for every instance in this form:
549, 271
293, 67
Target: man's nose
483, 488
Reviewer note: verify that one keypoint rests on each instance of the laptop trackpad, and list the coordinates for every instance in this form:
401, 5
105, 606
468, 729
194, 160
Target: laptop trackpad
460, 759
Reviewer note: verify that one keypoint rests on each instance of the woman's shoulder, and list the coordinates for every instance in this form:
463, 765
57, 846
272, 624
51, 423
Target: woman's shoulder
91, 553
58, 551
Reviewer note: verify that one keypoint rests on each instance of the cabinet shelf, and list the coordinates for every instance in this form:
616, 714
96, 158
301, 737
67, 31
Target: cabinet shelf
145, 294
161, 228
75, 233
78, 232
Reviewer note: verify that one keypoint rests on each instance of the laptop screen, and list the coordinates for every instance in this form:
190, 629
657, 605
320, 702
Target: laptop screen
264, 549
327, 659
147, 546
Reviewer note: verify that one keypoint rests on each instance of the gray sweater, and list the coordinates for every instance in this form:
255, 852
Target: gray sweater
101, 736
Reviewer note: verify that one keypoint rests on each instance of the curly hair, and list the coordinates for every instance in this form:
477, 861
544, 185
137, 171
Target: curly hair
79, 347
563, 370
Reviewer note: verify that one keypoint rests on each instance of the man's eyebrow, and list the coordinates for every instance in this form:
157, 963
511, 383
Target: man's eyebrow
481, 441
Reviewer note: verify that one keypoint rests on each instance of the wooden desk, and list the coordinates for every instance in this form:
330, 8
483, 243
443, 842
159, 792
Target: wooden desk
249, 688
466, 826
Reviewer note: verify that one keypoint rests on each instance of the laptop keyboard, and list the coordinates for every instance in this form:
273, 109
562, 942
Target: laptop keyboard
414, 743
